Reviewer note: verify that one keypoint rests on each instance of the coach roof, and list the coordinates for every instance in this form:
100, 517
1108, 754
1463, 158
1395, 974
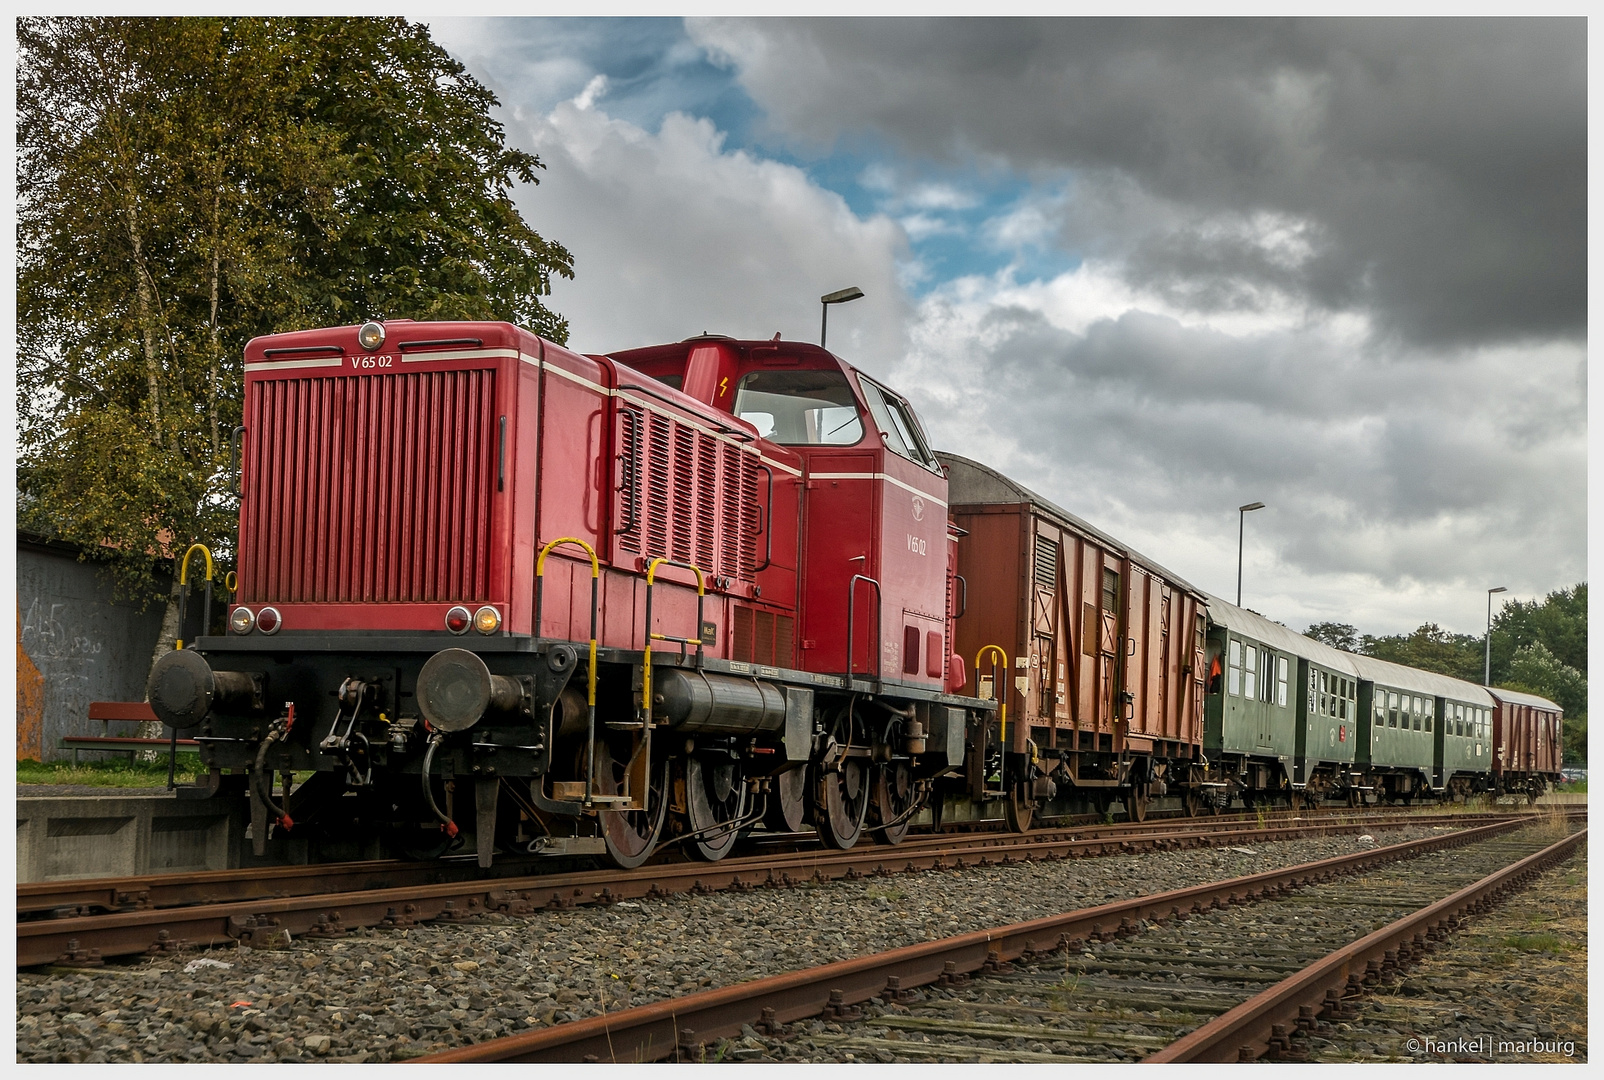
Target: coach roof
1253, 625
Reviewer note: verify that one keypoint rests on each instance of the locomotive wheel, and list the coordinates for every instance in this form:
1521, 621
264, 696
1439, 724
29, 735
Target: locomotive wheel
715, 795
843, 802
1136, 804
787, 809
894, 796
631, 835
1020, 809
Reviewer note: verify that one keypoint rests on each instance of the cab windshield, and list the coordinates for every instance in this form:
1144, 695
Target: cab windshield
800, 408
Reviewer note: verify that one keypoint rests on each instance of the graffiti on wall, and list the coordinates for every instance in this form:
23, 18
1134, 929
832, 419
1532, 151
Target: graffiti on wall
30, 702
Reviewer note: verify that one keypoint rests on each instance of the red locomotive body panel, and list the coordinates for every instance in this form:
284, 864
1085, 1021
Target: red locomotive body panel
1104, 649
1526, 736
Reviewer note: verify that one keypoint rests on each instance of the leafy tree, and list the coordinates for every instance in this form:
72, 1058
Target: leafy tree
187, 184
1338, 635
1430, 648
1558, 621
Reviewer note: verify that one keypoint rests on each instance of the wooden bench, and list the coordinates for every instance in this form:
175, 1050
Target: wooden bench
109, 712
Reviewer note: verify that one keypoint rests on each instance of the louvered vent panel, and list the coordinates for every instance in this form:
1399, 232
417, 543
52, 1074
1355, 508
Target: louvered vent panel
706, 503
632, 428
741, 640
763, 637
684, 500
784, 641
749, 510
659, 468
729, 553
1046, 563
370, 488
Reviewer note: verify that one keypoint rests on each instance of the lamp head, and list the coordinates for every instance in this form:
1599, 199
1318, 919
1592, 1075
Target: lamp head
1251, 506
841, 296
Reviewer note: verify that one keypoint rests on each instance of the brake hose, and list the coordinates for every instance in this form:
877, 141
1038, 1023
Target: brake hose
447, 826
278, 731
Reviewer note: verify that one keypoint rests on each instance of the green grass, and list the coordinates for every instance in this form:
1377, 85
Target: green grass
112, 770
1539, 943
1574, 785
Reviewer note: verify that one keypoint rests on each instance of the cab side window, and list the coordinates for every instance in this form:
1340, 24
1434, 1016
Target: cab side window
895, 420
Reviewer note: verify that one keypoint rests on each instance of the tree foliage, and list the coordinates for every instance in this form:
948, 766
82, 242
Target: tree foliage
1338, 635
187, 184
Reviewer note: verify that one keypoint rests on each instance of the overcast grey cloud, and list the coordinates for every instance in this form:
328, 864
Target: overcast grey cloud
1335, 266
1436, 168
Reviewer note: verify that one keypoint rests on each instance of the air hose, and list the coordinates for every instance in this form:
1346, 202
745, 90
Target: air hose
447, 826
276, 733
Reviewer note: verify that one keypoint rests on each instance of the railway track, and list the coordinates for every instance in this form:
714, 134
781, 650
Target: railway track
98, 920
1221, 972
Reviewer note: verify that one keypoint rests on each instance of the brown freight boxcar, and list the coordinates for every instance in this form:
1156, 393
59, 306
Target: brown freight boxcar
1102, 649
1527, 748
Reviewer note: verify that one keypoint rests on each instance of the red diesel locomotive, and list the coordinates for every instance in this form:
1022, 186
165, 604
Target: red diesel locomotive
583, 604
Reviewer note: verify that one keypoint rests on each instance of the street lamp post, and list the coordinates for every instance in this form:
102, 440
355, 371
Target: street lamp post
1241, 520
1487, 664
841, 296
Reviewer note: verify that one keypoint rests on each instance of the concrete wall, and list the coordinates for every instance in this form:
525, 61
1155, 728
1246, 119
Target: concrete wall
74, 646
137, 832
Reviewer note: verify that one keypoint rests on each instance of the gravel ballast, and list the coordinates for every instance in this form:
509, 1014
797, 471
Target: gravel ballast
380, 995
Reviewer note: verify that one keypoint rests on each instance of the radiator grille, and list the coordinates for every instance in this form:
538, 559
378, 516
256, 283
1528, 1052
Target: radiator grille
686, 495
370, 488
762, 637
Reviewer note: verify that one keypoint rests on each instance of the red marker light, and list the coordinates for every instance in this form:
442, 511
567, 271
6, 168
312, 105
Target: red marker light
458, 619
267, 620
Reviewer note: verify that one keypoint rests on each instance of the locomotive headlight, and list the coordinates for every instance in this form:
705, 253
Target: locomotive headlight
242, 621
371, 335
268, 621
487, 620
458, 619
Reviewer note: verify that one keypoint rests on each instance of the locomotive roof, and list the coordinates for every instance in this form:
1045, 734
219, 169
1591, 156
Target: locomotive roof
1515, 697
970, 482
1256, 626
1426, 682
766, 349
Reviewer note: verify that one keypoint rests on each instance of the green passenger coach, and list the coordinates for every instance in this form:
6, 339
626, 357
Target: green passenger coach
1422, 733
1281, 714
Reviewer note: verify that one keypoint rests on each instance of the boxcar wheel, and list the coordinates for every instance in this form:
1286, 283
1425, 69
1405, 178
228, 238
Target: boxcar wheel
894, 796
843, 802
715, 796
630, 835
1136, 804
1020, 808
787, 809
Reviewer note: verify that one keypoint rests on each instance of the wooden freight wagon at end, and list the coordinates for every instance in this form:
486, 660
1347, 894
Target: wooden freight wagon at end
1101, 653
1527, 746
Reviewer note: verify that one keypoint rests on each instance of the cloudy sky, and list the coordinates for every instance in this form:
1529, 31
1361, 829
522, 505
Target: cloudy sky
1154, 270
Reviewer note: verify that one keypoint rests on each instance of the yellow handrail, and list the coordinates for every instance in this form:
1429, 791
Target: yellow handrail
646, 667
183, 565
590, 679
183, 584
1000, 694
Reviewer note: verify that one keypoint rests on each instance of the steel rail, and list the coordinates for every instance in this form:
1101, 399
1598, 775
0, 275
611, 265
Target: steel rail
676, 1027
108, 894
1260, 1026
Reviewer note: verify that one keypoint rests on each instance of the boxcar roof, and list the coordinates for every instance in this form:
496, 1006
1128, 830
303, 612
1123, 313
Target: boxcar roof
1515, 697
971, 483
1257, 627
1426, 682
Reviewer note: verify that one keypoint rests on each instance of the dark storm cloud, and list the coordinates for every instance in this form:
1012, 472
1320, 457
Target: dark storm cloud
1433, 170
1380, 468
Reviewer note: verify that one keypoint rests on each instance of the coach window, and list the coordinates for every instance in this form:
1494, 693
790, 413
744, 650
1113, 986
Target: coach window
800, 408
1281, 671
1250, 675
1379, 704
1431, 712
1234, 678
1392, 709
